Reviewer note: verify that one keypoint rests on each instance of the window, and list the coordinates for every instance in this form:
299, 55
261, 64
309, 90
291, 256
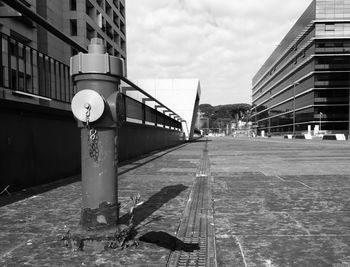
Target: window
122, 27
109, 30
109, 49
115, 19
73, 5
20, 83
74, 52
100, 3
108, 10
4, 44
123, 44
17, 49
21, 51
89, 9
116, 37
115, 2
122, 9
73, 27
329, 27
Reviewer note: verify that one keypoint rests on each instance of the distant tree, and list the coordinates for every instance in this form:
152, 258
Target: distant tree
218, 114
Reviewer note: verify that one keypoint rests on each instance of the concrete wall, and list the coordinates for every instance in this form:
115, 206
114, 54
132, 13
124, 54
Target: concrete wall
41, 144
37, 145
136, 139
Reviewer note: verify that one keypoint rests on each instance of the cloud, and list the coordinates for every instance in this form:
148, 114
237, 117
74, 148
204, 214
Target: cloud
223, 43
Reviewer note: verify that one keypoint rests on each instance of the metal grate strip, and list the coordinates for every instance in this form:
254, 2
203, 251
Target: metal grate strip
197, 224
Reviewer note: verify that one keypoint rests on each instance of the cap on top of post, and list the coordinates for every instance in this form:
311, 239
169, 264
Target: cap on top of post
96, 46
96, 61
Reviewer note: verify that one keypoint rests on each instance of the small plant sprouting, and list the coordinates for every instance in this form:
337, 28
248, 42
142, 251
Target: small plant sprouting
122, 238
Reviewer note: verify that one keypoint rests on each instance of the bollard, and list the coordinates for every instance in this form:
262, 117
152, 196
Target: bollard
98, 107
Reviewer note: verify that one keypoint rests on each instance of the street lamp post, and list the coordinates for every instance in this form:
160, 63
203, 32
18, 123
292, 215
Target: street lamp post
294, 85
321, 114
208, 125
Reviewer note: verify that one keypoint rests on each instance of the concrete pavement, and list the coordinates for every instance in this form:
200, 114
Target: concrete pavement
236, 202
281, 202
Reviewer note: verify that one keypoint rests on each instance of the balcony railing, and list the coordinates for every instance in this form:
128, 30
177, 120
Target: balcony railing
27, 70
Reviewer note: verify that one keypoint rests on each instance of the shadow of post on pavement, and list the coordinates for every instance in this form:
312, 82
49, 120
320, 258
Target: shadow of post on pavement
143, 211
165, 240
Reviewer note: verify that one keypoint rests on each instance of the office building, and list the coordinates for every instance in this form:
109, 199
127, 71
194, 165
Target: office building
304, 84
36, 62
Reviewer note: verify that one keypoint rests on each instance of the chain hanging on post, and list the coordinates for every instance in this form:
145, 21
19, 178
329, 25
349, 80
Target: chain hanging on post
87, 114
92, 136
93, 143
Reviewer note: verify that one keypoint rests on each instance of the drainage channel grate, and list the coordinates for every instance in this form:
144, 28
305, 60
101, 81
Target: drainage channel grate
203, 168
197, 225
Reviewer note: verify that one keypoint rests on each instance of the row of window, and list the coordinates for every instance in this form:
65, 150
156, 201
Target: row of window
100, 20
333, 96
280, 130
91, 33
102, 4
24, 68
321, 63
321, 30
328, 116
296, 54
284, 52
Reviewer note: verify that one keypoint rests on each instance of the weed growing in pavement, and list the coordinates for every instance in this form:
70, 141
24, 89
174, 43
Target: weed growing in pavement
123, 236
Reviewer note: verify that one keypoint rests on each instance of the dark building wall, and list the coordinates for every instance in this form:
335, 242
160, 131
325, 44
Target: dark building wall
37, 145
137, 139
41, 144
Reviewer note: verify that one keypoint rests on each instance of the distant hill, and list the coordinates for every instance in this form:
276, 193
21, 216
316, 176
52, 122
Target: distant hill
230, 112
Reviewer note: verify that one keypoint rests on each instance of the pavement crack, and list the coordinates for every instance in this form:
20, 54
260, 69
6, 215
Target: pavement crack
305, 185
277, 176
241, 250
13, 249
298, 224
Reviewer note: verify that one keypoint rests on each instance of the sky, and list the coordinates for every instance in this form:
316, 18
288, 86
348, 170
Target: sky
223, 43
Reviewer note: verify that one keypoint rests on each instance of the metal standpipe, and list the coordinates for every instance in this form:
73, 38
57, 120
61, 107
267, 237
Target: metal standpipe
96, 106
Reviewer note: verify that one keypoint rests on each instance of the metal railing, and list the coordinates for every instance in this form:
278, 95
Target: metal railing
138, 112
25, 69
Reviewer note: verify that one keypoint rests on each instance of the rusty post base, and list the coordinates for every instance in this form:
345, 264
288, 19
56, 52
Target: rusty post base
105, 216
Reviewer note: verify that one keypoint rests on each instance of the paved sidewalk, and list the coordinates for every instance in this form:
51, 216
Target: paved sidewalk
281, 202
268, 202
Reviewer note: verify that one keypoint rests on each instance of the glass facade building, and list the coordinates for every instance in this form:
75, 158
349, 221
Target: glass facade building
306, 80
